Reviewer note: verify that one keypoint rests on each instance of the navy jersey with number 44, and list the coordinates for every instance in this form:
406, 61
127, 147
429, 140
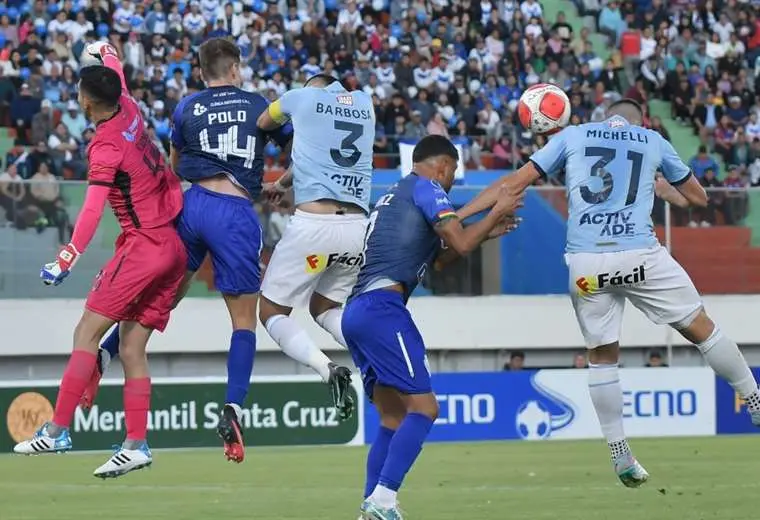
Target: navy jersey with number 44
401, 240
215, 132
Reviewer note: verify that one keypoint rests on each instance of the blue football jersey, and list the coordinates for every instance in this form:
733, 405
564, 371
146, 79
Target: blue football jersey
401, 240
215, 132
333, 143
610, 172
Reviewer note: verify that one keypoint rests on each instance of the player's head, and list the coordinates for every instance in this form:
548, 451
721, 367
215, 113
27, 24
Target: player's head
220, 62
99, 91
436, 157
320, 81
628, 109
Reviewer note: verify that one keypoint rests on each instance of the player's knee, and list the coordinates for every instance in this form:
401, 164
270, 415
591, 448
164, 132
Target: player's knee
319, 305
132, 354
90, 330
425, 404
696, 327
604, 354
268, 309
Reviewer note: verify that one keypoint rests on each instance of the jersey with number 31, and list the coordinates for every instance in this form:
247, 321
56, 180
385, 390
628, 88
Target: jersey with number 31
610, 171
215, 133
332, 144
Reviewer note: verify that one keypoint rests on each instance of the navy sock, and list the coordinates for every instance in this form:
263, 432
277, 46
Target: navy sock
240, 365
111, 343
376, 458
404, 448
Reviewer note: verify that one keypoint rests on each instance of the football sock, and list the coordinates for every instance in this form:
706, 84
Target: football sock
136, 407
376, 458
330, 320
403, 450
240, 365
296, 344
607, 397
75, 379
725, 358
111, 343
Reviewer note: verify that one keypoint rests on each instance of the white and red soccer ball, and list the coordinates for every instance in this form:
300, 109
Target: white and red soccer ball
544, 109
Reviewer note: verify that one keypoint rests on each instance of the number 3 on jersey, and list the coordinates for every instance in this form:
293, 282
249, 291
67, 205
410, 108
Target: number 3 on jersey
606, 156
227, 145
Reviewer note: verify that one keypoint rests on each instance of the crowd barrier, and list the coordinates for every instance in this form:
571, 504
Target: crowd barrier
526, 405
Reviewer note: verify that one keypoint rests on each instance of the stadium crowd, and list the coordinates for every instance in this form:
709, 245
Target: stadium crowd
455, 68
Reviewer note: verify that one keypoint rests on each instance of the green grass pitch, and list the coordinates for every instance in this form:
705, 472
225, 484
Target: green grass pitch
692, 479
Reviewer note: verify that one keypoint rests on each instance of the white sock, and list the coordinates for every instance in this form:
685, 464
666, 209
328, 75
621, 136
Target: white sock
295, 343
330, 321
607, 396
725, 358
383, 496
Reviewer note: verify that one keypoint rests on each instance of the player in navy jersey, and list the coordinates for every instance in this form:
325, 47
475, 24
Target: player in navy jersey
613, 255
405, 233
217, 146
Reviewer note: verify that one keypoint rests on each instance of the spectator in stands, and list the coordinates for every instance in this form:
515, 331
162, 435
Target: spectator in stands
717, 199
655, 359
516, 361
579, 360
63, 149
702, 162
414, 128
42, 122
12, 193
46, 195
74, 120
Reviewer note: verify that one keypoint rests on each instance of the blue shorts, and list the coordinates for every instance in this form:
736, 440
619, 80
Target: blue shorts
227, 227
385, 343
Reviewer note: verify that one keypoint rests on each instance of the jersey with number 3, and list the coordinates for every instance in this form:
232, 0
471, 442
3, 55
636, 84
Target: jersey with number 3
143, 190
215, 132
332, 145
610, 171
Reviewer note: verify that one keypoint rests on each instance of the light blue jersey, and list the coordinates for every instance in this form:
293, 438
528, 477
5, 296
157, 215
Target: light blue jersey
334, 132
610, 171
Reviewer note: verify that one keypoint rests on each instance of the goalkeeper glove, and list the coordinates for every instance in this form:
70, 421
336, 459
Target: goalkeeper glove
56, 272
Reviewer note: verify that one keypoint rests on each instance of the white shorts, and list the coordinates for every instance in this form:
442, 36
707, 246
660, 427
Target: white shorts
317, 253
651, 279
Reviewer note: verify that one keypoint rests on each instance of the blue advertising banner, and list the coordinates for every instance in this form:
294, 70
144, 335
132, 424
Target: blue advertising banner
554, 404
730, 411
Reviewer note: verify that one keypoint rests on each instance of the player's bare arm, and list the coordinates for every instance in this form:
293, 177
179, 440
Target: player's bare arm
517, 181
273, 191
504, 227
664, 190
464, 240
272, 117
693, 192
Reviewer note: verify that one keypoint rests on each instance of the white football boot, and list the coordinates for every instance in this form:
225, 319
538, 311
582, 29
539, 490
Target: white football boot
123, 461
41, 442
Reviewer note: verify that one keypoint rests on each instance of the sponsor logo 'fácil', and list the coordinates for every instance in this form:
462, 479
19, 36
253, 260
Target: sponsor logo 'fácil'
590, 284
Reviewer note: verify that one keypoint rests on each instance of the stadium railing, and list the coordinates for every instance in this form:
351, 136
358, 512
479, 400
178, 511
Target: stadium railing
719, 246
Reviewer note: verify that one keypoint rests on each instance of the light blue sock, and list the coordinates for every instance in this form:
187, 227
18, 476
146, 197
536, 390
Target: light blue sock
404, 448
376, 458
111, 343
240, 365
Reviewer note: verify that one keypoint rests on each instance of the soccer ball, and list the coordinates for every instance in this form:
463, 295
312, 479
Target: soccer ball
533, 421
544, 109
91, 55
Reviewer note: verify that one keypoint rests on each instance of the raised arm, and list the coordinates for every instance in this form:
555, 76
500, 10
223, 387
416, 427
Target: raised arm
110, 58
545, 162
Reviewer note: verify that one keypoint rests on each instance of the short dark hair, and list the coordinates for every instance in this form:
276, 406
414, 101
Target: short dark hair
101, 84
325, 79
434, 146
627, 108
217, 56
